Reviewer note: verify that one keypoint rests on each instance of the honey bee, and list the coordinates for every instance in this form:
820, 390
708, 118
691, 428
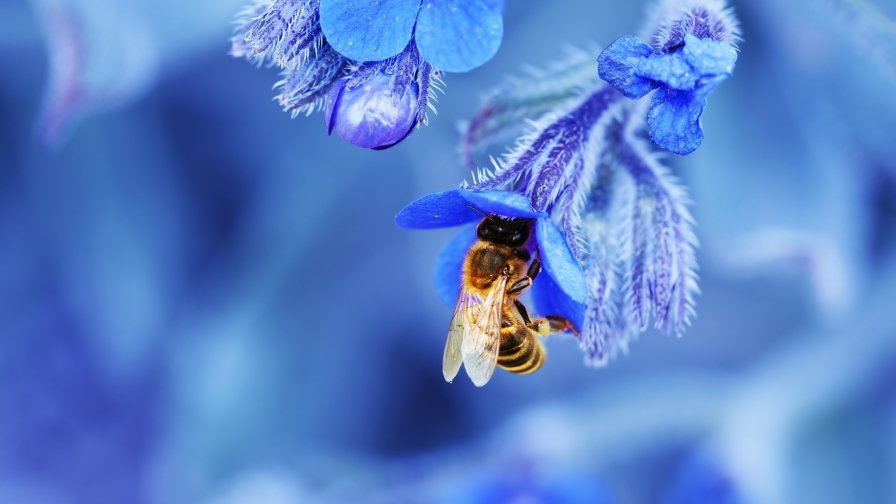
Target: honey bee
490, 325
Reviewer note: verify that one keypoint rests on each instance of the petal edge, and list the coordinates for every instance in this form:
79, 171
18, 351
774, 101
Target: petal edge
368, 30
503, 203
559, 262
436, 210
457, 36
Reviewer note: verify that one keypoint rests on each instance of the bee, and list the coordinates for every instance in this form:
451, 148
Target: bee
490, 325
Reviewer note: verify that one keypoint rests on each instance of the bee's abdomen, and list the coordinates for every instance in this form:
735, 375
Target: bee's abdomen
520, 351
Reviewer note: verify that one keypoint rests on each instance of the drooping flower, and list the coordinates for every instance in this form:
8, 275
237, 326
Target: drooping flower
373, 65
585, 168
459, 207
692, 52
453, 35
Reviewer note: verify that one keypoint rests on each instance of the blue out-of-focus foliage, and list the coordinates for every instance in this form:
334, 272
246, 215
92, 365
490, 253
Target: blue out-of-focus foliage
203, 301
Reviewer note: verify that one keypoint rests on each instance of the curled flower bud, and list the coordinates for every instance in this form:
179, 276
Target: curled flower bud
381, 103
693, 52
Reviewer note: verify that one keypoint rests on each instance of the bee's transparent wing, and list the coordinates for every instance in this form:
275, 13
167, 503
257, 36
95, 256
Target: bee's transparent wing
481, 341
465, 314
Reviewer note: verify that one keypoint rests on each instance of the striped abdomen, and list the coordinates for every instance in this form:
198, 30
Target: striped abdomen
520, 350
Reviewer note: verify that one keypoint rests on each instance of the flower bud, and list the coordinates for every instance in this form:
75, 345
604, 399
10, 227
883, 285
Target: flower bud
380, 103
372, 114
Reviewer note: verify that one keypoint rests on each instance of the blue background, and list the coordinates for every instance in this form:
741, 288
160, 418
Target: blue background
202, 300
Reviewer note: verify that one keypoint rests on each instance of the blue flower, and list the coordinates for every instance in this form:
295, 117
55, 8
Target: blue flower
693, 52
452, 35
373, 103
381, 103
558, 290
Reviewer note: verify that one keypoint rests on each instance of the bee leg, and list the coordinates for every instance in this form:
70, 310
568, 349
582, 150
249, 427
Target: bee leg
561, 324
534, 268
520, 285
551, 324
523, 312
524, 283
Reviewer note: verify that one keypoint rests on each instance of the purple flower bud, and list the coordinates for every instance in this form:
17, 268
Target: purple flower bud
381, 103
372, 115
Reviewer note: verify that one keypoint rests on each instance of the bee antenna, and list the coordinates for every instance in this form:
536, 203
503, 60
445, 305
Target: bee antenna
471, 207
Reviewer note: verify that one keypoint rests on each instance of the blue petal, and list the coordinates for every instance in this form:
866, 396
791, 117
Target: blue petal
495, 5
550, 299
618, 65
368, 30
436, 210
673, 120
503, 203
459, 35
708, 56
450, 263
669, 69
558, 261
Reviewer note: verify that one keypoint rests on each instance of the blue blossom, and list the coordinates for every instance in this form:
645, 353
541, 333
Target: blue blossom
693, 51
585, 168
374, 66
452, 35
561, 286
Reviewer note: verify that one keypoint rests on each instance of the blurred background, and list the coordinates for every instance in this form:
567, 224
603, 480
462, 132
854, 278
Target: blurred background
204, 301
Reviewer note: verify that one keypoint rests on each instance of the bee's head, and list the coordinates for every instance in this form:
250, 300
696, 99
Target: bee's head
512, 232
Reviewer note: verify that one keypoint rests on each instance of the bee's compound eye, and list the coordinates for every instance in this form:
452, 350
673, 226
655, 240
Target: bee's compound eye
484, 231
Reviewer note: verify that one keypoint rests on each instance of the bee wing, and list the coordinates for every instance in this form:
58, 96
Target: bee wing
481, 340
465, 313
